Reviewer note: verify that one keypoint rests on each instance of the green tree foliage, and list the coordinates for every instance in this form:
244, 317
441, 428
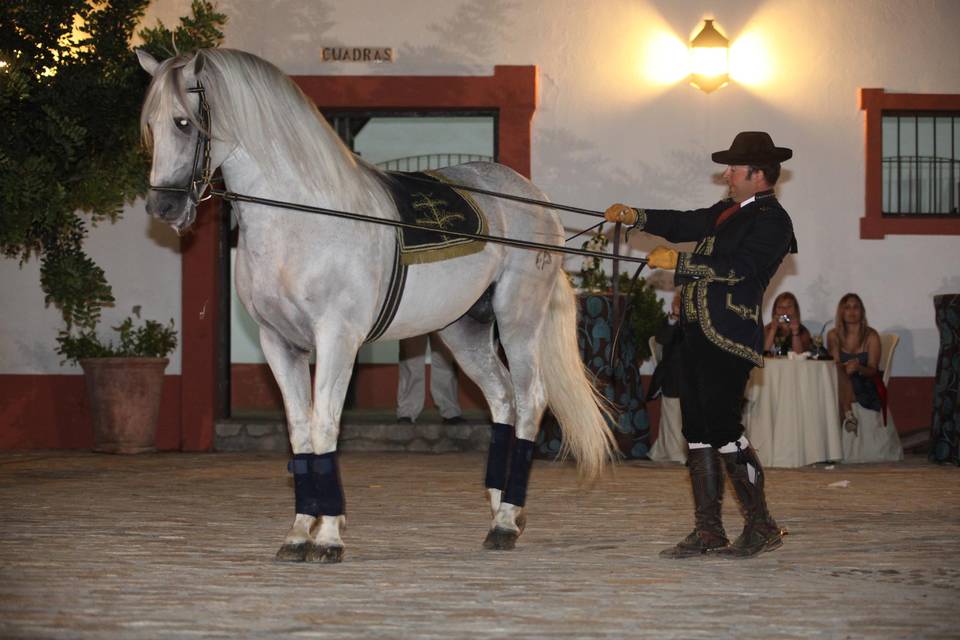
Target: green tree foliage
646, 312
70, 152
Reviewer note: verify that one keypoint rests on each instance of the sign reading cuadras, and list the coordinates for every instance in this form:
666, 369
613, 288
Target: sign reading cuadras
358, 54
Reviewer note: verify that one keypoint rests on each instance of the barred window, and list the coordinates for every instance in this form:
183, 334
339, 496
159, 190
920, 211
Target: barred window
912, 164
921, 163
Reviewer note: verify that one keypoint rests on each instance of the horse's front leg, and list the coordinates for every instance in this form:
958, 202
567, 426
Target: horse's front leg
290, 367
336, 353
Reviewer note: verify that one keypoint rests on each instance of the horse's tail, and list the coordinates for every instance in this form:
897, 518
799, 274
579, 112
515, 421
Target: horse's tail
579, 408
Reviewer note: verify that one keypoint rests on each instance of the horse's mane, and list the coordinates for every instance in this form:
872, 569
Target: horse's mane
257, 107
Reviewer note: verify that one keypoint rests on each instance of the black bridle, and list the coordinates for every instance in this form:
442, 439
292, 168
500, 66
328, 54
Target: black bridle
200, 176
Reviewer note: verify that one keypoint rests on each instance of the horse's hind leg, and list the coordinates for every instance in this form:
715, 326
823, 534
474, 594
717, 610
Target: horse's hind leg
472, 344
511, 450
290, 367
520, 327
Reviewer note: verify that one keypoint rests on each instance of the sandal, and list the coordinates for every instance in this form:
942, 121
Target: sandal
850, 422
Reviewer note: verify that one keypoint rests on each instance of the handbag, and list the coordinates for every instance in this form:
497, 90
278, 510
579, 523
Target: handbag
881, 393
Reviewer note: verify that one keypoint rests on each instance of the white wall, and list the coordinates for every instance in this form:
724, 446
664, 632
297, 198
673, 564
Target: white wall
141, 259
605, 131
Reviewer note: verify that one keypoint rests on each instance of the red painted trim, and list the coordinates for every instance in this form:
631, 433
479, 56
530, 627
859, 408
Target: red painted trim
911, 402
52, 412
200, 265
910, 399
511, 91
873, 102
254, 389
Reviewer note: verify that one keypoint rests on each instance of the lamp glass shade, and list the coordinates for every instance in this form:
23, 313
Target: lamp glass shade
709, 61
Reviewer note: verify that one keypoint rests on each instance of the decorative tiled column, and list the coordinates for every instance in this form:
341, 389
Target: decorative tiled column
945, 424
618, 381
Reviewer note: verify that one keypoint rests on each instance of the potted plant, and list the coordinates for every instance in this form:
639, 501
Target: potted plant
645, 311
124, 381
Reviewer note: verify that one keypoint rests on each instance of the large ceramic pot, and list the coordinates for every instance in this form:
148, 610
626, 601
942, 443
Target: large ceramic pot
124, 395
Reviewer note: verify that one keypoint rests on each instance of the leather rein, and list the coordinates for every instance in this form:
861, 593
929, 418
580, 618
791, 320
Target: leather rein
199, 188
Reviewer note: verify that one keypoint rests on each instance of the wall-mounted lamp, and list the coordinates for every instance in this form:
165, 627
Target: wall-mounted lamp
708, 59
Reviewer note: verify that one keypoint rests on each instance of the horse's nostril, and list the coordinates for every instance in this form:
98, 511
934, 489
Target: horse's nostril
165, 209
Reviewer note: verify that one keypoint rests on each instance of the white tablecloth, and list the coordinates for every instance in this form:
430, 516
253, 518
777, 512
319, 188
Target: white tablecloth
791, 416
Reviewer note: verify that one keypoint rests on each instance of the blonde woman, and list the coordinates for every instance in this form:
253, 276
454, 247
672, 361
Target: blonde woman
855, 346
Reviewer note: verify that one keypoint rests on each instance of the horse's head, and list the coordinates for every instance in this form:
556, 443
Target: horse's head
175, 122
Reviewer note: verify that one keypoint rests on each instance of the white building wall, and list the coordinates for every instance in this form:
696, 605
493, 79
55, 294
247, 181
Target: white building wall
605, 131
141, 259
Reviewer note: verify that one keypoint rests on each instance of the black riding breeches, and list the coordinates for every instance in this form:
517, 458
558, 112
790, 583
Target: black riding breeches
712, 382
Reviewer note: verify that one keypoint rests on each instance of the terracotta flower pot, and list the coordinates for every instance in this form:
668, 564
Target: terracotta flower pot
124, 395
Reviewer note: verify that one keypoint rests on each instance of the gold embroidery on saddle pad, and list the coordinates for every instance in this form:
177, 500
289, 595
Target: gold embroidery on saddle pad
441, 207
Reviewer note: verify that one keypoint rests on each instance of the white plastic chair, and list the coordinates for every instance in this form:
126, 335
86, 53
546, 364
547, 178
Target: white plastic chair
656, 351
888, 344
875, 441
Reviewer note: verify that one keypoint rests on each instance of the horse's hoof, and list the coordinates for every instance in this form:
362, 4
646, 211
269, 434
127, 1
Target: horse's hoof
292, 552
325, 554
501, 539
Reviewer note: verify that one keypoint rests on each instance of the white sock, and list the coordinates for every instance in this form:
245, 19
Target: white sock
697, 445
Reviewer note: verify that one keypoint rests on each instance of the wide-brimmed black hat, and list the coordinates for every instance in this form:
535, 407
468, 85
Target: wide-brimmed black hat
752, 147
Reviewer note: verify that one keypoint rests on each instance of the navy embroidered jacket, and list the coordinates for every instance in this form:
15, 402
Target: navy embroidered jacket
723, 280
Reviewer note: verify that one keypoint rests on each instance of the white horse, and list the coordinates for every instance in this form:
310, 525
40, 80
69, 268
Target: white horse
317, 283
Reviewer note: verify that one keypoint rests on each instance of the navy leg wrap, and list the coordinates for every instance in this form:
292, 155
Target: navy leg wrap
520, 464
501, 441
316, 484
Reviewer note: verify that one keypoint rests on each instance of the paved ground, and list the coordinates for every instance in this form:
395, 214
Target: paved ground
176, 545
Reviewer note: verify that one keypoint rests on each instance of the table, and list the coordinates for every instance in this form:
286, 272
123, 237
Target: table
791, 416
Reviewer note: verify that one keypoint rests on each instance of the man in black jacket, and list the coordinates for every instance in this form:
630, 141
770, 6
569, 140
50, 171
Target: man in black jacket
741, 242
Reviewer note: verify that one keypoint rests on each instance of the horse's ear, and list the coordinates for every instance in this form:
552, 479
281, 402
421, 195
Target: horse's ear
195, 66
147, 61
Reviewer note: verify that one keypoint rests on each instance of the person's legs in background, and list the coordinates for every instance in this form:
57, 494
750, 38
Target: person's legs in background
443, 381
411, 385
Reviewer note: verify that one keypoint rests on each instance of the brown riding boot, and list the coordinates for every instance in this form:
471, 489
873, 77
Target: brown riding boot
760, 531
706, 476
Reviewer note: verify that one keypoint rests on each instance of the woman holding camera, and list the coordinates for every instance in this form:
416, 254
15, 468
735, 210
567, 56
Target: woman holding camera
786, 333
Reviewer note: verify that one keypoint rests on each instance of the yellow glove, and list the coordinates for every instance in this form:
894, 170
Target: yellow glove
620, 213
662, 258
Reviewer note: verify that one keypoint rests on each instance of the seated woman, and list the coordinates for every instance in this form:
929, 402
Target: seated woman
786, 333
855, 347
670, 444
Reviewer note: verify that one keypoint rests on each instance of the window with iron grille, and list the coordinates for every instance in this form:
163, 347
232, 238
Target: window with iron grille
921, 163
912, 164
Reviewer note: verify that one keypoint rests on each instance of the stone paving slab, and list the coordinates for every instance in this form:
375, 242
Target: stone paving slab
181, 545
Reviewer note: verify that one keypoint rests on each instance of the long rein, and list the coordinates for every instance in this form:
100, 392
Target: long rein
200, 189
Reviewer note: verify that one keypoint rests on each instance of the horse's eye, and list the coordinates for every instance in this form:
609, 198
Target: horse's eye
182, 123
